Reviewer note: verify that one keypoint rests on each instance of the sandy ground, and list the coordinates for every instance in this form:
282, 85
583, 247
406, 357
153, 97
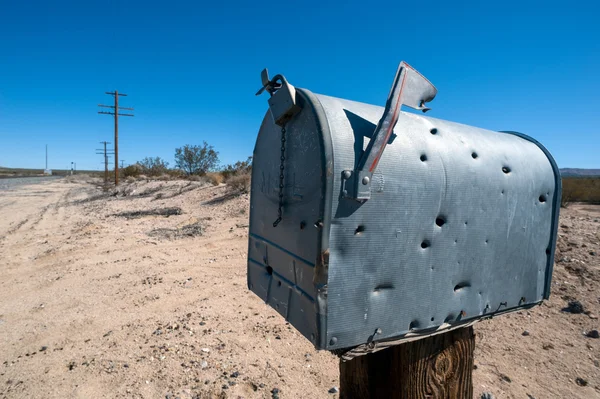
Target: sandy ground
97, 305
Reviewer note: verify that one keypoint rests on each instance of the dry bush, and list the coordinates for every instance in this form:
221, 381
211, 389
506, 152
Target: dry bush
580, 189
240, 182
130, 179
164, 177
132, 171
214, 178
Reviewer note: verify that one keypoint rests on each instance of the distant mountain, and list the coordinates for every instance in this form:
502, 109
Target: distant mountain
574, 172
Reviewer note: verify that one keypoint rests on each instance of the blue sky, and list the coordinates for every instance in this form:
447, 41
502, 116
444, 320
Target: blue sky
191, 70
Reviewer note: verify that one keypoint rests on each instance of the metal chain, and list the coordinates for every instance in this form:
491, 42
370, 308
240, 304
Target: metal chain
281, 176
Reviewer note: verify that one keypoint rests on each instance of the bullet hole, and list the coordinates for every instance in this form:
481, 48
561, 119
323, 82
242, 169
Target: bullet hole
486, 241
425, 244
279, 283
542, 198
433, 131
269, 270
423, 158
318, 224
461, 285
413, 325
302, 225
506, 169
502, 192
440, 221
474, 155
433, 318
359, 230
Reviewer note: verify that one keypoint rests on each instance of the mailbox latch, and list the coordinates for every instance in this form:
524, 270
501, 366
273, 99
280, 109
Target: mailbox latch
282, 102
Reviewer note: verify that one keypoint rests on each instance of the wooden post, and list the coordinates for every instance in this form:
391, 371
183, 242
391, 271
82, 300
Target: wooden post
439, 366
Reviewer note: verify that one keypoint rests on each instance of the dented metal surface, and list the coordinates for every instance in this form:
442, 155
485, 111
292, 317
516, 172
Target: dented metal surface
459, 224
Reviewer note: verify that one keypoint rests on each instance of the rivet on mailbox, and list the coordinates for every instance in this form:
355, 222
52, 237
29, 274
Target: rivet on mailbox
422, 225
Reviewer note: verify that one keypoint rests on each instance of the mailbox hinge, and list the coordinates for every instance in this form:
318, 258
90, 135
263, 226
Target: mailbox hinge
410, 88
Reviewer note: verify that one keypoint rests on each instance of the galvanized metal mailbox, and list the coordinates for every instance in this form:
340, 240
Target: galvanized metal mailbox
369, 225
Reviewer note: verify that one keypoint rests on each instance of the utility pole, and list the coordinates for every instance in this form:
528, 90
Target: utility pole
122, 162
116, 114
106, 153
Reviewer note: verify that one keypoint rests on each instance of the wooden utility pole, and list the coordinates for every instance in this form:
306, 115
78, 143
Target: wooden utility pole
106, 154
439, 366
116, 114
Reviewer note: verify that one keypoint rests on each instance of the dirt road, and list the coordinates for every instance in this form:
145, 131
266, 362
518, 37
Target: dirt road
143, 295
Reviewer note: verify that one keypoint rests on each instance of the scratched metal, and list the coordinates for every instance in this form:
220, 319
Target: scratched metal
461, 225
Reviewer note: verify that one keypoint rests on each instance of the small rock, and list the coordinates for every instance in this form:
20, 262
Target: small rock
275, 393
525, 333
202, 323
487, 395
43, 348
235, 374
261, 385
204, 364
333, 390
581, 382
593, 253
547, 346
169, 396
225, 386
158, 331
593, 334
574, 307
505, 377
205, 350
529, 396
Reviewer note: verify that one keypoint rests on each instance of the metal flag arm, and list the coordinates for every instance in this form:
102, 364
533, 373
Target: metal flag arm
410, 88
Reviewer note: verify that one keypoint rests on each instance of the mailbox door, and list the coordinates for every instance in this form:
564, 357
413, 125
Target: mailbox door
285, 263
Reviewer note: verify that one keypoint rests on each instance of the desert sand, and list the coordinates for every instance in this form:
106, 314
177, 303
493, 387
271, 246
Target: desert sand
141, 293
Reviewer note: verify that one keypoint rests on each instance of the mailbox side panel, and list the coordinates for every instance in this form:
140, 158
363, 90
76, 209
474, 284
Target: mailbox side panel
460, 226
287, 263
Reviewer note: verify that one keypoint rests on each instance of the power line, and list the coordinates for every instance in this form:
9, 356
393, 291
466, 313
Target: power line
116, 114
106, 153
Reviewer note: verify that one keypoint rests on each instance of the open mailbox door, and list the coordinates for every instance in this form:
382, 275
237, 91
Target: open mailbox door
371, 226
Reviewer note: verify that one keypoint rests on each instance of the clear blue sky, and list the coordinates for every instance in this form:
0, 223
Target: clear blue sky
191, 70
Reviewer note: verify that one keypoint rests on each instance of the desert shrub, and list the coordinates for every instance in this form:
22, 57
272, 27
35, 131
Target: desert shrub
153, 166
130, 179
580, 189
240, 182
195, 159
176, 173
214, 178
240, 167
131, 171
165, 177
